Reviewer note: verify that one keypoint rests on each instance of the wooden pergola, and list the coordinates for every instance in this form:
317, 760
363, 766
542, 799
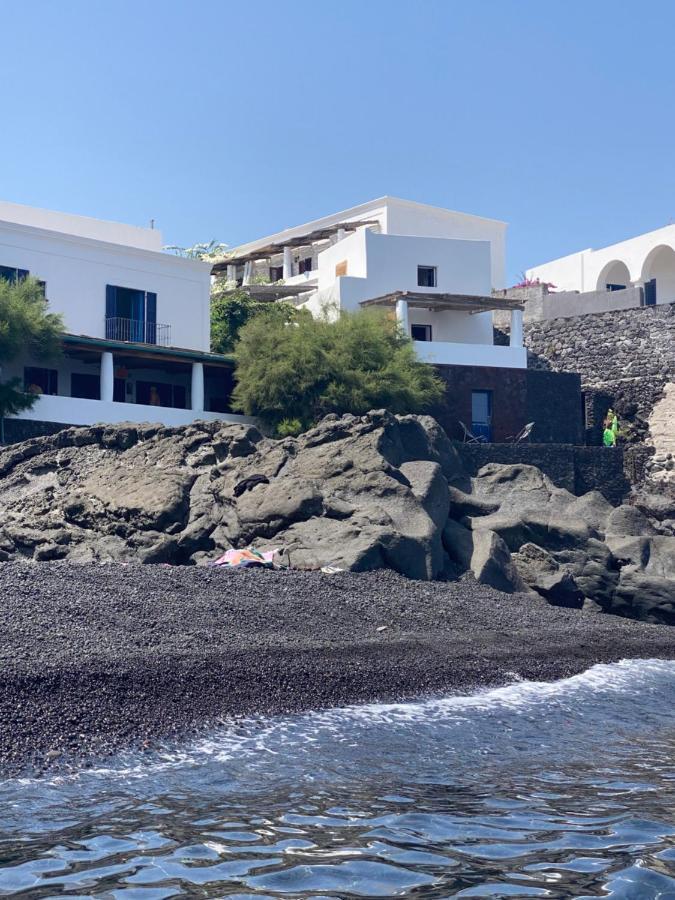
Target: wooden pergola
302, 240
471, 303
273, 292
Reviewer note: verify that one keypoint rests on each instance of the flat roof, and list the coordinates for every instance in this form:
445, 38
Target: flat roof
472, 303
352, 214
143, 238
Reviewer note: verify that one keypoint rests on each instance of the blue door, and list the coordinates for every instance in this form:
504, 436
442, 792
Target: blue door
481, 414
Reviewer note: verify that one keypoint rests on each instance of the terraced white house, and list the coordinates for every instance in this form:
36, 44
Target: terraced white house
435, 267
137, 324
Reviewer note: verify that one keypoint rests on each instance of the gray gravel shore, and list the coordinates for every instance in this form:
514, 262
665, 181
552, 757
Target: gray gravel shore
97, 658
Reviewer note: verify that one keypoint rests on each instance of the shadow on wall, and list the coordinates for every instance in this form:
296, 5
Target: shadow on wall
552, 400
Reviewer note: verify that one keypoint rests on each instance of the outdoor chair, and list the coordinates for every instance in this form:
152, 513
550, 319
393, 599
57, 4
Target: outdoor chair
469, 437
523, 434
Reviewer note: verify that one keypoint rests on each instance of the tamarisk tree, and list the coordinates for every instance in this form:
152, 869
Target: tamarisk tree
27, 328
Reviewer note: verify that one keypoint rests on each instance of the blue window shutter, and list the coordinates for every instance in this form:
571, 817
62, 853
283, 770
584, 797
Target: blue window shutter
151, 317
151, 308
110, 301
110, 310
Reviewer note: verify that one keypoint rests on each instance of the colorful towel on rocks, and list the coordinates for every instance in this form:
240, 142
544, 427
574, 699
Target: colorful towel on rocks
244, 559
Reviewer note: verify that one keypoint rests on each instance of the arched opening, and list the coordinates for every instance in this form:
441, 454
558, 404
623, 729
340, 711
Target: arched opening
614, 277
658, 275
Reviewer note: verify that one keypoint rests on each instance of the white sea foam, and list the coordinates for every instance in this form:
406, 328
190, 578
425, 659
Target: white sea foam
261, 740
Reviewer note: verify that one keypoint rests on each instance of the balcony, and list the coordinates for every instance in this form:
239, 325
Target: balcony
137, 332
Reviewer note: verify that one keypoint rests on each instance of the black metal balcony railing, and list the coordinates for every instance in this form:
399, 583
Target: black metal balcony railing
137, 332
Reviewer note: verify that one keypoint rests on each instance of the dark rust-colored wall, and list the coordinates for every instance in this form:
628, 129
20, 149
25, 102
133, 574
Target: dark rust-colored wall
552, 400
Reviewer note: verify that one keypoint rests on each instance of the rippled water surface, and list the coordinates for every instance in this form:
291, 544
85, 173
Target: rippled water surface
534, 790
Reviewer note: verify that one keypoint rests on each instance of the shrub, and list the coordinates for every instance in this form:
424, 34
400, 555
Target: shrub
307, 368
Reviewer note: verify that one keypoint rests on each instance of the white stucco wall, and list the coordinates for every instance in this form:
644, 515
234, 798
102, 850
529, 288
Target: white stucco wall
81, 226
407, 217
581, 271
455, 326
419, 220
382, 263
77, 269
73, 411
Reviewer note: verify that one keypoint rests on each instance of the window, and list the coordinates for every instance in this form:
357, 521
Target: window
650, 292
86, 387
420, 332
11, 274
426, 276
305, 265
130, 315
40, 381
276, 273
616, 287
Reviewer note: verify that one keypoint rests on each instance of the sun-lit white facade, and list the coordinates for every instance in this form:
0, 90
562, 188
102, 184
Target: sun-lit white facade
137, 322
646, 261
391, 246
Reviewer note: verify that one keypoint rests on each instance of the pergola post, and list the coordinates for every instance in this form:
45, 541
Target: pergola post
288, 264
248, 267
402, 315
232, 275
197, 404
516, 328
341, 234
107, 380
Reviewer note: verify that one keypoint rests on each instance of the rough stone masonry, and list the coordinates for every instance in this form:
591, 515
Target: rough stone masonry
628, 357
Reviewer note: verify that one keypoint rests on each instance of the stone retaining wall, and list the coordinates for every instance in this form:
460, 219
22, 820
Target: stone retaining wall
16, 430
633, 350
577, 469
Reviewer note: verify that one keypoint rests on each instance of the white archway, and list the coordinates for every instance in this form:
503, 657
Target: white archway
613, 276
660, 266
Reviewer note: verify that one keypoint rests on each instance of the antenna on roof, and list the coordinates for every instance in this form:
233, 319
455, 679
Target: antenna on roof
152, 223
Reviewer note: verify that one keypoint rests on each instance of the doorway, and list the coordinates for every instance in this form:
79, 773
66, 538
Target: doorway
650, 292
481, 414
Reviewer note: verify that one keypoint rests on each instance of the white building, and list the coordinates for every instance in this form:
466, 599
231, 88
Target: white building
137, 323
435, 267
644, 265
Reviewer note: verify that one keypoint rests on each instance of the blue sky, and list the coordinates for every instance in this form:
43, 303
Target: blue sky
232, 120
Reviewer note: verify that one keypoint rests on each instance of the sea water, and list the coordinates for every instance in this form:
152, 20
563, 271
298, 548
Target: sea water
532, 790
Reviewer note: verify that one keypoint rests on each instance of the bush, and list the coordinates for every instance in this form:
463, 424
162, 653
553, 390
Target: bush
26, 328
231, 310
310, 367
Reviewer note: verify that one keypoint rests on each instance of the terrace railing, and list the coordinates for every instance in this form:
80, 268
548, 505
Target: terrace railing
137, 332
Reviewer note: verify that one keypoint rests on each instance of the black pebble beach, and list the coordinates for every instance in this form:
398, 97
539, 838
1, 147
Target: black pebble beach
98, 658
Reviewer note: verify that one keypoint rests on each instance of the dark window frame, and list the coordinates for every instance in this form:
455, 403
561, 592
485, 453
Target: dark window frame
424, 273
427, 331
44, 378
13, 274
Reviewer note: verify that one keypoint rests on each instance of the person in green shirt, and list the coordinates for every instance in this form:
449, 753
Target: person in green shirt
611, 429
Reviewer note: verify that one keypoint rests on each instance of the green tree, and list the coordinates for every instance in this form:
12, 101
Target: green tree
26, 328
232, 309
292, 374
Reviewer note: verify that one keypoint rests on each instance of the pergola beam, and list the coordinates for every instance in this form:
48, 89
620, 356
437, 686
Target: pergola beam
472, 303
272, 292
302, 240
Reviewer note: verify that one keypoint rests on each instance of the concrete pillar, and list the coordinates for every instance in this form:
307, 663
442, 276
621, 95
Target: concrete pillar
232, 275
516, 328
197, 387
107, 377
341, 234
247, 272
288, 263
402, 316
